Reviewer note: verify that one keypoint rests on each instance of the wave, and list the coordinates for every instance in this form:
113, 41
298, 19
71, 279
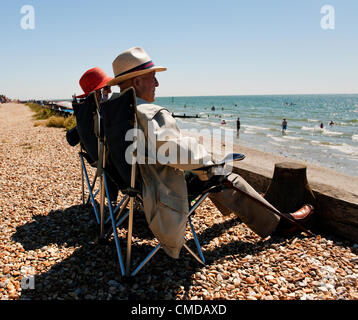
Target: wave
248, 131
278, 139
313, 129
250, 127
274, 143
295, 126
345, 148
332, 133
204, 122
355, 137
327, 143
324, 131
293, 138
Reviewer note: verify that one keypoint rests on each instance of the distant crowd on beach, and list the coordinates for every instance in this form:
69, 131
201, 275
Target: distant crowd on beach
4, 99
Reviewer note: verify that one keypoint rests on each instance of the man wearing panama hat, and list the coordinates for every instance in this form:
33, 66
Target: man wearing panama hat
165, 195
134, 68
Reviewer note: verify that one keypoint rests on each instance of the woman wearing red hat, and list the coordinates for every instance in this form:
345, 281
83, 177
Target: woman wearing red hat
95, 79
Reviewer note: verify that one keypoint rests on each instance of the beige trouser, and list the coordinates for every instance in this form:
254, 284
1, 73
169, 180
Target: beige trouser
256, 216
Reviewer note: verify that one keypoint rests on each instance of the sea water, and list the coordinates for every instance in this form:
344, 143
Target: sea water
333, 146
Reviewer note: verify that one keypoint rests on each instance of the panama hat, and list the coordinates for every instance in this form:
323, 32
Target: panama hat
92, 80
132, 63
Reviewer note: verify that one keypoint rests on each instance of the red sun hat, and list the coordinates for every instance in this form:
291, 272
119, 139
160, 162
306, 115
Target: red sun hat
92, 80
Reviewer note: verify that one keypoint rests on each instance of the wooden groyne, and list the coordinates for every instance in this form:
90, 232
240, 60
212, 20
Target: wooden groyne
336, 211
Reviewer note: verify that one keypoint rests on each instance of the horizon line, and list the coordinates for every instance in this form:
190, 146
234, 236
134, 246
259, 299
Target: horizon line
220, 95
262, 94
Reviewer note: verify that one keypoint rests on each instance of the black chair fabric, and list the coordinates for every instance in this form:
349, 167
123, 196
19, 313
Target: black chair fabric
116, 124
85, 112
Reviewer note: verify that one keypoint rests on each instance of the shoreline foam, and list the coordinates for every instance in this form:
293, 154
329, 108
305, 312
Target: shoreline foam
331, 182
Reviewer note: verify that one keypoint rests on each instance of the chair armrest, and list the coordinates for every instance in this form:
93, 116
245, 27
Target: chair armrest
217, 169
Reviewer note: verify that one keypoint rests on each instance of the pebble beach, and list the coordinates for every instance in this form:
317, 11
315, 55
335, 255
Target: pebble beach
47, 234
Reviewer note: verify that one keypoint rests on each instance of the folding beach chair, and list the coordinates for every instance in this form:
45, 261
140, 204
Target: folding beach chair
92, 151
119, 116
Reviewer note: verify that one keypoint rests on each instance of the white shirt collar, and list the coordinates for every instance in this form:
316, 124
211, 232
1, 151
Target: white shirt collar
141, 101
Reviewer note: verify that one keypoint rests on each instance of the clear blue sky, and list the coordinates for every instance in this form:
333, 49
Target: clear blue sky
226, 47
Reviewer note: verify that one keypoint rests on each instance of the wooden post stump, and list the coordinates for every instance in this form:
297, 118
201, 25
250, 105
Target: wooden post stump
289, 189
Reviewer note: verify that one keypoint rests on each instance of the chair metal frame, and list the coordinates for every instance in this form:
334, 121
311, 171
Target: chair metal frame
200, 258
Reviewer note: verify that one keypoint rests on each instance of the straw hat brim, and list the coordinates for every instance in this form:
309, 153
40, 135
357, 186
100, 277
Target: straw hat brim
130, 75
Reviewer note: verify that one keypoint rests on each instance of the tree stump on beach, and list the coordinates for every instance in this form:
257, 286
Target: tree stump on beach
289, 189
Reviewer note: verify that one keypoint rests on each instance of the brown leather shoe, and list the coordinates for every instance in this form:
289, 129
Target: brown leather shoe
302, 213
303, 216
